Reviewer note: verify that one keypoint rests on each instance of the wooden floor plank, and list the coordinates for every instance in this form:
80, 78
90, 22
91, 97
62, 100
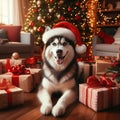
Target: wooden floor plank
30, 110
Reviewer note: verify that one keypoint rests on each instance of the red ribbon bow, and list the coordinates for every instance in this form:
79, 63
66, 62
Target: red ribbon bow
31, 60
103, 81
18, 70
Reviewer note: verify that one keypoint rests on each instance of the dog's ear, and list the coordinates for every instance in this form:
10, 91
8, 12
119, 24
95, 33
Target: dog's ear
43, 52
47, 28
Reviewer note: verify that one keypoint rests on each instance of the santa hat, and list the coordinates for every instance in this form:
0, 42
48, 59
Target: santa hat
67, 30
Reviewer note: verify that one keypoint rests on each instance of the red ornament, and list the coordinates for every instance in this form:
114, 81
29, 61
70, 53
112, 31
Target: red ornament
77, 17
31, 23
35, 10
62, 18
51, 0
77, 4
40, 29
69, 9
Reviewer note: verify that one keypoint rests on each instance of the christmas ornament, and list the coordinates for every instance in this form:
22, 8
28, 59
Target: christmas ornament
62, 18
51, 1
69, 9
15, 55
50, 10
77, 4
61, 2
38, 3
77, 17
31, 23
35, 10
40, 29
39, 17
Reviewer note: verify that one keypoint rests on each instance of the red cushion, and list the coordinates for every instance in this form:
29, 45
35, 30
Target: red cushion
13, 32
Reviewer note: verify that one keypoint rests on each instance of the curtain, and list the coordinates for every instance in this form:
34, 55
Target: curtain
23, 6
13, 11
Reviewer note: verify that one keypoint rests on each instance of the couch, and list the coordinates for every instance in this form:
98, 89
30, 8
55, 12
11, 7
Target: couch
99, 48
13, 40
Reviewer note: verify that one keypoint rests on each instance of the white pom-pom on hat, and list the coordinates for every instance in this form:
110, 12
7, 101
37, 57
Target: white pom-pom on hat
67, 30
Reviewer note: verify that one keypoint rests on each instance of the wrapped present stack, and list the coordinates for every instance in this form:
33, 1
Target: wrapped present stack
21, 72
20, 77
17, 75
99, 93
10, 95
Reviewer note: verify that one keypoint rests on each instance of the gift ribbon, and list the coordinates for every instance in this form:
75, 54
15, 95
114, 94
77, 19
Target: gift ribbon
103, 81
18, 70
6, 85
7, 65
15, 80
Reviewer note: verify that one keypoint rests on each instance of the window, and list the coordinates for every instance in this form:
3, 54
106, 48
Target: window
12, 11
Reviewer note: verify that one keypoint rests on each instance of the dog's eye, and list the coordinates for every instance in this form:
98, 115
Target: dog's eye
65, 43
54, 44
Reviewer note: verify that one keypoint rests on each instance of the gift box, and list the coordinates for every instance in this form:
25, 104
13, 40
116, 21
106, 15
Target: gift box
6, 63
10, 95
89, 69
37, 76
101, 66
24, 81
99, 98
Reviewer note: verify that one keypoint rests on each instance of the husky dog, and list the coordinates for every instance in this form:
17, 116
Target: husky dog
60, 74
60, 69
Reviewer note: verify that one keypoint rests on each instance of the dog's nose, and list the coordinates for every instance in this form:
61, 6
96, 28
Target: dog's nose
59, 52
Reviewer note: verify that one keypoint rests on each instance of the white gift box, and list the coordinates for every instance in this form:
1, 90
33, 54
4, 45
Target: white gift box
25, 81
99, 98
11, 97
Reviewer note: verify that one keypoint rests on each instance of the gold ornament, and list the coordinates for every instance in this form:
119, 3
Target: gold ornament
15, 55
39, 17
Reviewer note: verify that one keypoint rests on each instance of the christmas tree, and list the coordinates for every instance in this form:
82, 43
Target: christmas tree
44, 13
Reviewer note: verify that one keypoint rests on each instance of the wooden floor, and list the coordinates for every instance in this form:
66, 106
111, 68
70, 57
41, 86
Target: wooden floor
30, 111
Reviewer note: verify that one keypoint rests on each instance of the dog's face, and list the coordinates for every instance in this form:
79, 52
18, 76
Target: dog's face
59, 52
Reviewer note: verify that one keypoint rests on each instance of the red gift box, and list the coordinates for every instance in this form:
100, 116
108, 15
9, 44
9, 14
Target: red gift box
99, 98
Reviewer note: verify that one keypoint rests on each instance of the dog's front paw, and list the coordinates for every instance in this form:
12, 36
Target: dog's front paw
58, 110
46, 109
